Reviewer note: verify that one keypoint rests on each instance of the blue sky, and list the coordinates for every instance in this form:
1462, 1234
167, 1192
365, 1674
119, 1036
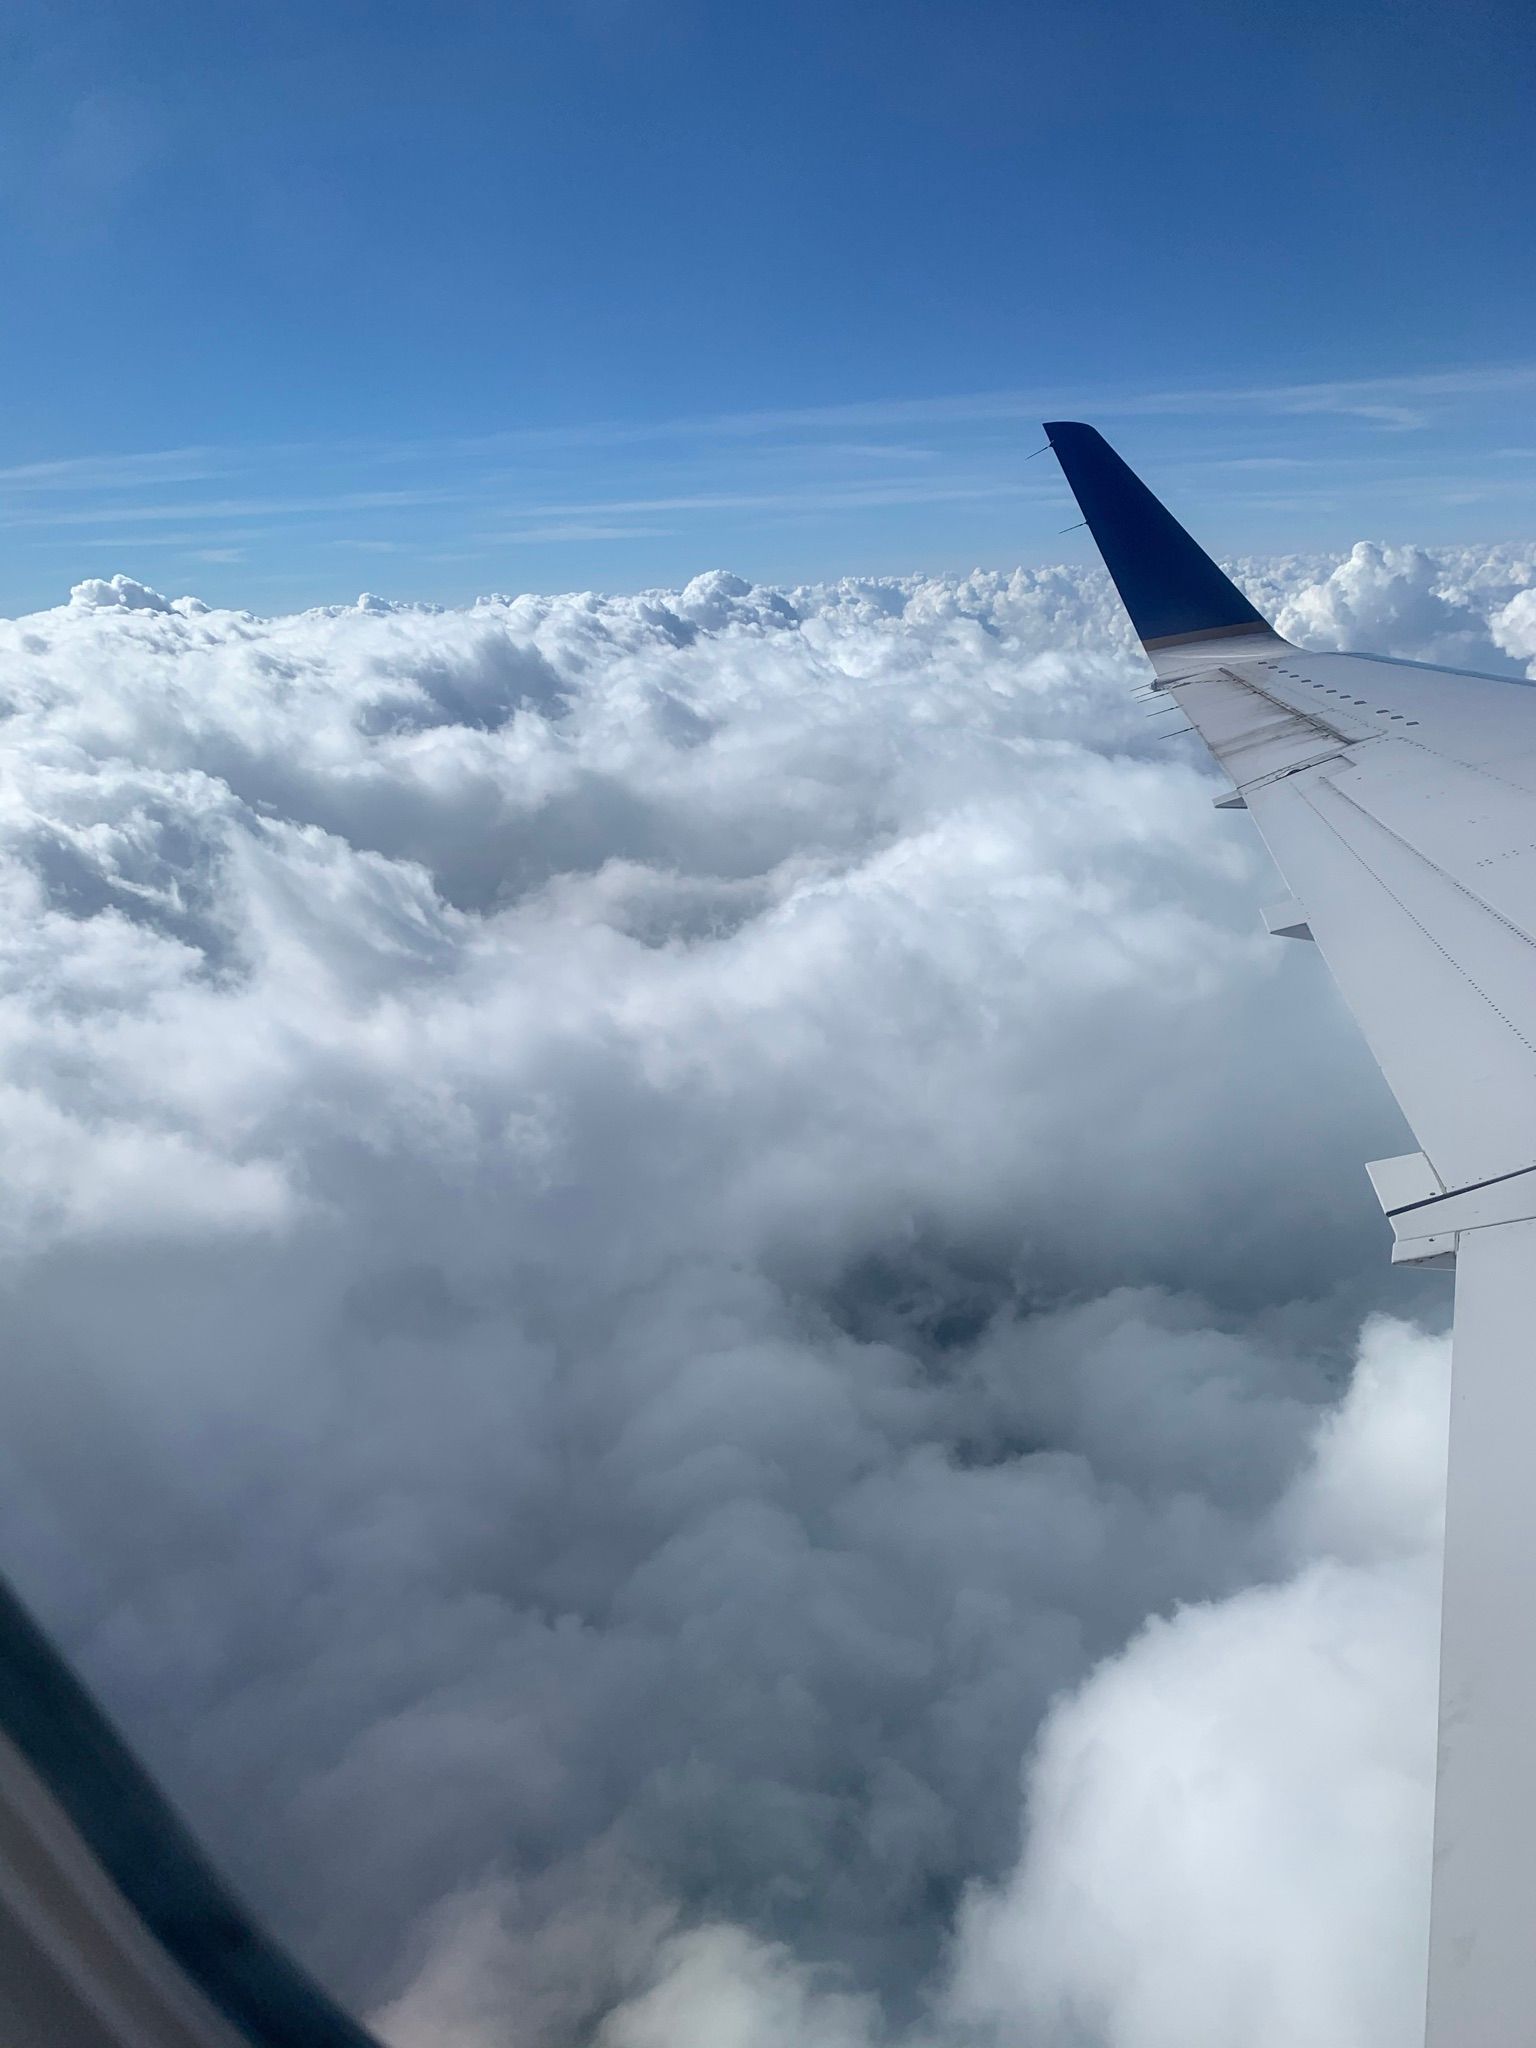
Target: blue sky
434, 300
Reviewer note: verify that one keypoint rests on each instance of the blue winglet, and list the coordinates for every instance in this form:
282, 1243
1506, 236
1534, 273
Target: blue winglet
1171, 588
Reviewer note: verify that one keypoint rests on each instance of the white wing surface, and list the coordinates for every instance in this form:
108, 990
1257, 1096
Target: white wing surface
1399, 803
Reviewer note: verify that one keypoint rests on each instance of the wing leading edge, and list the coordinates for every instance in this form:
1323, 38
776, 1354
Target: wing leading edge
1399, 803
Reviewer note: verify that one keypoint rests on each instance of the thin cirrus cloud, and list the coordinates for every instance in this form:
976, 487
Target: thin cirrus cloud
788, 491
878, 491
1400, 401
1409, 399
583, 530
235, 508
111, 472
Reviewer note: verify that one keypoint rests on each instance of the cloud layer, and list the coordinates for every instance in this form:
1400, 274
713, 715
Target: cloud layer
638, 1232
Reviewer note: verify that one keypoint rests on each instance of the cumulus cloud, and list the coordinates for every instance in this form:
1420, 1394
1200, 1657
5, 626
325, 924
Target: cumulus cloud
1409, 602
1514, 629
1230, 1823
637, 1230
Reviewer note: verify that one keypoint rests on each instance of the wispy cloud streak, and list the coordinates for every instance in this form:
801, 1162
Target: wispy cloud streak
791, 492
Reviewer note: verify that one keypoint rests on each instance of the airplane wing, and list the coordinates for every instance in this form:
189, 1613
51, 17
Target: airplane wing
114, 1931
1399, 804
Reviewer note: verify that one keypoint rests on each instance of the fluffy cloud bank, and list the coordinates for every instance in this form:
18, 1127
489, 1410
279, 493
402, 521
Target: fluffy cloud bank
1241, 1801
637, 1234
1230, 1821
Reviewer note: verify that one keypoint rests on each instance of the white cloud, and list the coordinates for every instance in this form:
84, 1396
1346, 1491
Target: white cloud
1401, 601
1230, 1823
99, 593
1514, 629
637, 1228
718, 1988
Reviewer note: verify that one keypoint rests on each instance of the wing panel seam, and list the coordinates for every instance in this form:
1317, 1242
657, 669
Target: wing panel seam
1387, 889
1418, 852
